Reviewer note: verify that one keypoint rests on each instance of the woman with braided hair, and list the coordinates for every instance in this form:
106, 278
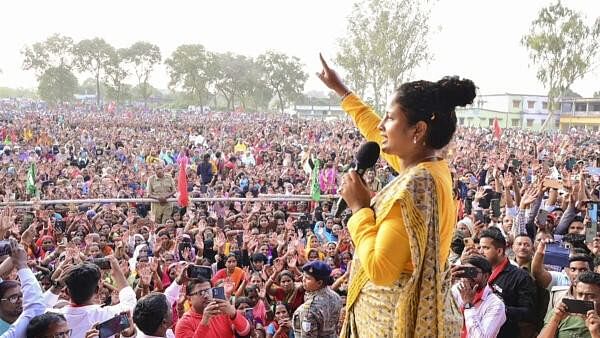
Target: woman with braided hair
399, 284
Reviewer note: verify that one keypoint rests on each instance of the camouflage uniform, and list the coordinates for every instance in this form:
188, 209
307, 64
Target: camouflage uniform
318, 316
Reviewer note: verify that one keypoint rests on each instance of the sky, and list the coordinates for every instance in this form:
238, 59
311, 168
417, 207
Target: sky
476, 39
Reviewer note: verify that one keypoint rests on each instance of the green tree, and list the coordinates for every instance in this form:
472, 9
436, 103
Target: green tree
52, 62
230, 75
115, 76
385, 41
188, 69
57, 85
93, 55
562, 46
283, 75
143, 56
56, 51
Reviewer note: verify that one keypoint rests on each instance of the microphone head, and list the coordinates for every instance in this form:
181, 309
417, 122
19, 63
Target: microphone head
367, 155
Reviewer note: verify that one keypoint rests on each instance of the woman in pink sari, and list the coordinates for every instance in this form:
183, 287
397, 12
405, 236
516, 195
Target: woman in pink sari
328, 179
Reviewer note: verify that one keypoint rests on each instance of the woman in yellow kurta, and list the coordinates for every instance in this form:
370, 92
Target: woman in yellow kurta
399, 284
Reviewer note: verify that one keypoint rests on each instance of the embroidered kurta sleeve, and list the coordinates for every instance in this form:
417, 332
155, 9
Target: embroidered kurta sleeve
383, 249
366, 121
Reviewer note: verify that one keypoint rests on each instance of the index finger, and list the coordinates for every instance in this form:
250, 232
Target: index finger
323, 63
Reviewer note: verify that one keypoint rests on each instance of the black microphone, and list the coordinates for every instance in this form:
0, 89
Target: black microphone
366, 157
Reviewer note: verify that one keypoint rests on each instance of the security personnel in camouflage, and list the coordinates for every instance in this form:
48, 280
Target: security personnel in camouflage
320, 313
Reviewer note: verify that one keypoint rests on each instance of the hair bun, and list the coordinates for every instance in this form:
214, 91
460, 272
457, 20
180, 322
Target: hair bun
456, 92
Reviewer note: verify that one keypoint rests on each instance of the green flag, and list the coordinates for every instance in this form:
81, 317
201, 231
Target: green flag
30, 184
315, 191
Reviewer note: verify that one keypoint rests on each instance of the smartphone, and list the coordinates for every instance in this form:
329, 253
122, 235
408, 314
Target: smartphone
196, 271
516, 163
479, 216
591, 229
249, 314
468, 272
113, 326
495, 205
578, 306
102, 263
218, 293
554, 184
60, 226
468, 206
5, 248
542, 217
556, 255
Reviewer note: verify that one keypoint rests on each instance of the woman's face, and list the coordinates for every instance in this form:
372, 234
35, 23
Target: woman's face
281, 313
396, 132
256, 280
94, 251
264, 250
313, 255
310, 283
346, 259
264, 222
231, 263
145, 233
47, 244
286, 283
331, 249
169, 258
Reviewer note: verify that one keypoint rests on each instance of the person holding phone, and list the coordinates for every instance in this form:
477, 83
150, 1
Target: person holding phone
574, 318
484, 312
209, 317
82, 287
281, 327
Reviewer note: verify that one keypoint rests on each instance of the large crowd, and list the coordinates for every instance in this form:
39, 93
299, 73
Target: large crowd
525, 202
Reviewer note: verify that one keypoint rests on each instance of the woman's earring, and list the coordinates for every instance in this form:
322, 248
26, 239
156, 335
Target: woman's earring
414, 140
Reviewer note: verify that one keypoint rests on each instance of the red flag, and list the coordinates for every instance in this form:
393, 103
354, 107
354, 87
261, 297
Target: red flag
497, 129
184, 198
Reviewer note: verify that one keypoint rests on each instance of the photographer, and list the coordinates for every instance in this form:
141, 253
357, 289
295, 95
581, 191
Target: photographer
82, 286
484, 312
562, 321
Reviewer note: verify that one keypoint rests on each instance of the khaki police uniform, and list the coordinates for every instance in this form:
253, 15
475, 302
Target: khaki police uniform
161, 186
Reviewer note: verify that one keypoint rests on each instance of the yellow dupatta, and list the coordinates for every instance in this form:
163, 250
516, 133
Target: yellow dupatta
424, 296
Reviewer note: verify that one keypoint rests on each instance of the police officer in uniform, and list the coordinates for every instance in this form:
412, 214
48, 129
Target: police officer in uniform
161, 187
320, 313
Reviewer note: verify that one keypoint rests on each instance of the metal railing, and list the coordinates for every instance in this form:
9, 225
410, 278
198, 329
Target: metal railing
260, 198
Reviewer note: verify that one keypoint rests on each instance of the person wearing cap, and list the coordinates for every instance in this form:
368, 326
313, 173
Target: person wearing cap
484, 311
320, 313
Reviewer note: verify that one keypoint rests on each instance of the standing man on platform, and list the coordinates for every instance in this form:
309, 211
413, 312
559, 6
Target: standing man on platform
161, 187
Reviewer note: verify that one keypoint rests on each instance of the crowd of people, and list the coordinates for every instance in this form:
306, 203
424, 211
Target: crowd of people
526, 203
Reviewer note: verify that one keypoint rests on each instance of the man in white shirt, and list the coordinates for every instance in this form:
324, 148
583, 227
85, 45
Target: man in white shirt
33, 304
83, 282
484, 312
